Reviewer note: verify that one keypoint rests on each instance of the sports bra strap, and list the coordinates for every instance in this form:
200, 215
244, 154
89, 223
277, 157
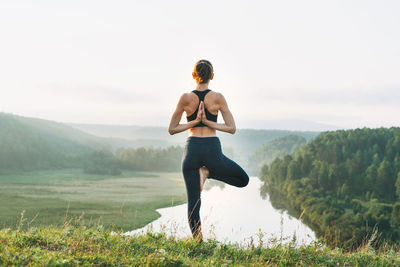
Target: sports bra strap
201, 94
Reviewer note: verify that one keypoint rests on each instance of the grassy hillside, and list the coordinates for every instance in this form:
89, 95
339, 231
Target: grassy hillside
51, 130
73, 245
31, 144
28, 144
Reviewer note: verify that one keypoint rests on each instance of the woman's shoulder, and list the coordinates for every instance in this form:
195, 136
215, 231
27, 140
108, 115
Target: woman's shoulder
217, 96
188, 95
215, 93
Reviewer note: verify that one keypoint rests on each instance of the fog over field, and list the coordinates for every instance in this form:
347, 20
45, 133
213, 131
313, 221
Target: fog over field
298, 65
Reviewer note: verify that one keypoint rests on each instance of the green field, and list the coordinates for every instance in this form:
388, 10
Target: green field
123, 202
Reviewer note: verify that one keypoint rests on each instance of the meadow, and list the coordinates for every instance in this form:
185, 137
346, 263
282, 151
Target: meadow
124, 202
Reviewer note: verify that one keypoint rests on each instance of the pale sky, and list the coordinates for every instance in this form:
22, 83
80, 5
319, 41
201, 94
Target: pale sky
279, 64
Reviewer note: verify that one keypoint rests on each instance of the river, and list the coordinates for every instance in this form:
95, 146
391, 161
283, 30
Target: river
233, 215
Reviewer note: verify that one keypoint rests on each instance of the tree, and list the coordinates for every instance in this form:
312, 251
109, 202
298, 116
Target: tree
385, 180
395, 218
293, 171
323, 176
371, 175
397, 185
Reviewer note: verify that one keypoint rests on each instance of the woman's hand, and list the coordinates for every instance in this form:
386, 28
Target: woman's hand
200, 113
204, 119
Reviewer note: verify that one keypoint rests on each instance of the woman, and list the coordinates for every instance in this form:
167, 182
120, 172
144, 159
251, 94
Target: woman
203, 157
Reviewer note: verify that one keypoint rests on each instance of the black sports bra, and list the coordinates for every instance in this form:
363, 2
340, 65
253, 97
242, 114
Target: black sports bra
209, 116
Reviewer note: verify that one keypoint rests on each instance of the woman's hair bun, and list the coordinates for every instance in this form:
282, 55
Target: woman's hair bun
203, 70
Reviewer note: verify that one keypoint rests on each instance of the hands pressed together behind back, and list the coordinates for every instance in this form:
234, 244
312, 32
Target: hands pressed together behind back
201, 114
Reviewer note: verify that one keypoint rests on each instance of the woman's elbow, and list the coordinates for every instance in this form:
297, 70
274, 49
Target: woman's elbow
171, 131
233, 130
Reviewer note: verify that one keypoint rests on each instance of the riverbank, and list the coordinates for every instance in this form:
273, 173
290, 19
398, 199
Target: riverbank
77, 245
232, 214
124, 202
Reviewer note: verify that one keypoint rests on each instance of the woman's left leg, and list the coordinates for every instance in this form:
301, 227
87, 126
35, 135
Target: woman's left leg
190, 167
223, 168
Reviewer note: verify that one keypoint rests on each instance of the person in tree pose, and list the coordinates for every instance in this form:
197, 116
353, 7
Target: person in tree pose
203, 157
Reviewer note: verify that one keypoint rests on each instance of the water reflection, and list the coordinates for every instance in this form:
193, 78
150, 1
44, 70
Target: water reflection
233, 215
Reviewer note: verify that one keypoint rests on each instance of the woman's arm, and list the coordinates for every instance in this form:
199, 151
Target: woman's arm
174, 125
229, 125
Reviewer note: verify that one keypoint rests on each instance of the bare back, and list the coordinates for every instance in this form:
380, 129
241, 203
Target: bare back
211, 102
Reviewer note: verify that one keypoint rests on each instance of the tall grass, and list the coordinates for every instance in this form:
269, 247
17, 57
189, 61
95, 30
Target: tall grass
74, 243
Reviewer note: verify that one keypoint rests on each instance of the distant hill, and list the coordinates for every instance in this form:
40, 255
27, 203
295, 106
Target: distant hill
293, 124
29, 143
132, 135
32, 143
243, 142
276, 148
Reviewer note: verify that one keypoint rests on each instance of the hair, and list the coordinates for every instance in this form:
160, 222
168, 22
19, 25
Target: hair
203, 71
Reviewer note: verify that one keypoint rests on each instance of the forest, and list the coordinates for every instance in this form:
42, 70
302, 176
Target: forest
151, 159
276, 148
344, 184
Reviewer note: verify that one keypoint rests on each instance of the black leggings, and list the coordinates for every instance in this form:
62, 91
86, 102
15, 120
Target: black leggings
206, 151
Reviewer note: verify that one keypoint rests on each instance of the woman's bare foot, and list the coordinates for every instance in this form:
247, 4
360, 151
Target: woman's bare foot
198, 236
203, 176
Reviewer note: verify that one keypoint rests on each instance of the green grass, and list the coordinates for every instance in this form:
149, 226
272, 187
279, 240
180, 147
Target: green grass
75, 245
124, 202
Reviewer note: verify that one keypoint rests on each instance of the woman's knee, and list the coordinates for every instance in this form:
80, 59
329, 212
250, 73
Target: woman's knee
244, 181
